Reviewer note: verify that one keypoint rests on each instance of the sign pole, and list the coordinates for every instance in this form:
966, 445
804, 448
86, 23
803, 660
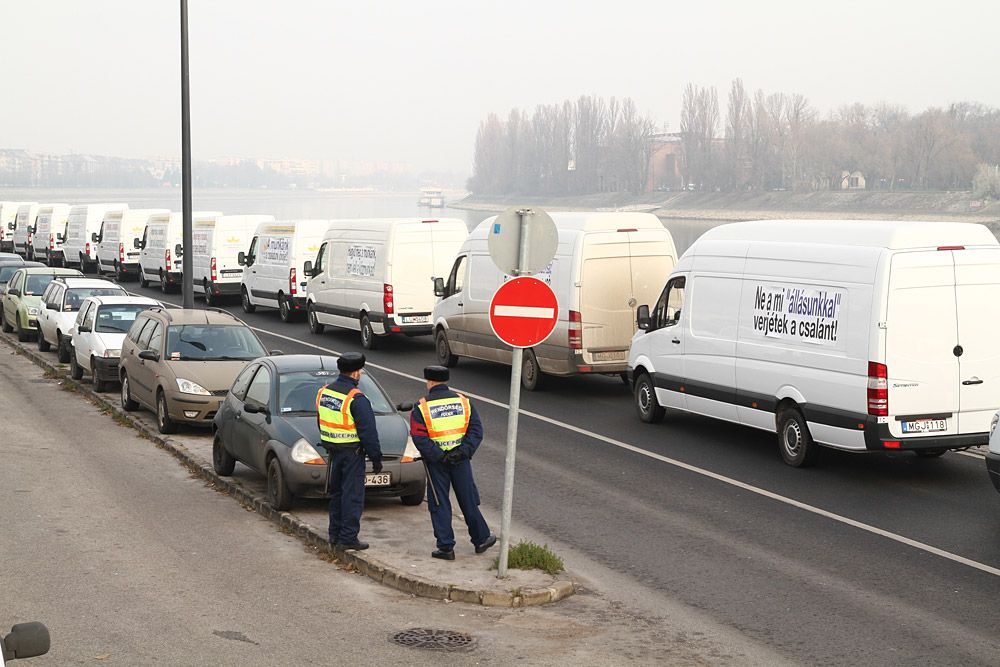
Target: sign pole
517, 360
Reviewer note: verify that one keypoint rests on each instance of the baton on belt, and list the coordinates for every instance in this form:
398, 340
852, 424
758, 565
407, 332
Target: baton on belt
430, 482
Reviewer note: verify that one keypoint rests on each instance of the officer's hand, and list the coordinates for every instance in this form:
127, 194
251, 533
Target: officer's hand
377, 466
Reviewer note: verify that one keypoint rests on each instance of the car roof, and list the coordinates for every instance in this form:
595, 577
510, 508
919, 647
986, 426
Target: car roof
76, 281
198, 316
8, 256
36, 268
120, 300
291, 363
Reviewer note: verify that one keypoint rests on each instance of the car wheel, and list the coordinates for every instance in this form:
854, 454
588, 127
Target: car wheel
930, 453
368, 340
165, 424
646, 405
222, 461
314, 324
23, 334
128, 405
43, 345
63, 349
443, 348
75, 370
284, 310
210, 300
248, 307
794, 440
4, 324
100, 384
277, 491
412, 500
532, 377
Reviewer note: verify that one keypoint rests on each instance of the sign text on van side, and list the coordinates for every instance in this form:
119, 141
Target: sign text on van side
803, 313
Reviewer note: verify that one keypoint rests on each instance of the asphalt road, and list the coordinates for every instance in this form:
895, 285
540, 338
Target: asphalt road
815, 587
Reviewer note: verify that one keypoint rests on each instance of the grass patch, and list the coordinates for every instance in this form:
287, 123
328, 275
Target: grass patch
526, 555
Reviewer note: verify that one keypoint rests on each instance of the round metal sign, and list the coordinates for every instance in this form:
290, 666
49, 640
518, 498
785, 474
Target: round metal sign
504, 238
524, 312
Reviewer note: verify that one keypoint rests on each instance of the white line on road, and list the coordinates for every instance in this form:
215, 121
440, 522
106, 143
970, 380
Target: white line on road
523, 311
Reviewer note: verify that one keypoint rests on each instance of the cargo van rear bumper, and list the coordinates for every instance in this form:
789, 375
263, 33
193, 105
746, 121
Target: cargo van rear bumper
993, 466
877, 435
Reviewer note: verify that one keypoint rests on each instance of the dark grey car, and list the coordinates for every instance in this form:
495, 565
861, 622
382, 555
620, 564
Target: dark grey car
268, 422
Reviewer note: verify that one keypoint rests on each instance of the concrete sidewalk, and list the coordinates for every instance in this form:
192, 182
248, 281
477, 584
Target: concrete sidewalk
401, 537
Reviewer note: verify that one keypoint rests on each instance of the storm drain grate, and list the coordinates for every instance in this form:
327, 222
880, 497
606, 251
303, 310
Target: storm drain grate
435, 640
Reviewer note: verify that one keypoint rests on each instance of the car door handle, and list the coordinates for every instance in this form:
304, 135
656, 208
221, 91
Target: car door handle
974, 380
238, 417
676, 341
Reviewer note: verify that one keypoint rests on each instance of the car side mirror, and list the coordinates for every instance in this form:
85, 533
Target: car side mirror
642, 317
26, 640
52, 306
405, 406
307, 269
255, 409
95, 238
275, 353
439, 287
13, 291
82, 329
149, 355
179, 250
137, 243
241, 258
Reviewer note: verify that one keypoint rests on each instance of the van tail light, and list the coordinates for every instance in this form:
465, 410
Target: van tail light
878, 389
121, 253
86, 249
388, 305
52, 242
293, 284
167, 259
575, 330
215, 272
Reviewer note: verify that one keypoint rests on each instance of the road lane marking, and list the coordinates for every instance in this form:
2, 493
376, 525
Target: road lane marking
902, 539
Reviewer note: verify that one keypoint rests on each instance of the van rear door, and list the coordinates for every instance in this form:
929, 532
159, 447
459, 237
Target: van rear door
977, 290
418, 256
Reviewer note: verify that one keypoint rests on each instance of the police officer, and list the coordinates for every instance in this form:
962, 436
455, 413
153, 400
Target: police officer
347, 429
447, 431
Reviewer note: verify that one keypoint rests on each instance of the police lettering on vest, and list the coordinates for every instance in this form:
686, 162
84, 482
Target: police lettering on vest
447, 420
336, 423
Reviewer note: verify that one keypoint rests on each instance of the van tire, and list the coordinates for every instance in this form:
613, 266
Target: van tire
930, 453
119, 274
128, 403
284, 310
368, 339
443, 348
248, 307
75, 370
795, 443
209, 299
143, 283
646, 406
315, 326
222, 461
532, 377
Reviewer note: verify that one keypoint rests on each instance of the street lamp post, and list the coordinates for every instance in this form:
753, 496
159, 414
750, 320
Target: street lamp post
187, 284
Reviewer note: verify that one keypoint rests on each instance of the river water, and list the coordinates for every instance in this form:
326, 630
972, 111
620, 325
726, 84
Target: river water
298, 205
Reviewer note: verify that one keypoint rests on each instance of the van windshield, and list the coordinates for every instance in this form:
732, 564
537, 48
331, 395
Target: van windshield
212, 342
297, 392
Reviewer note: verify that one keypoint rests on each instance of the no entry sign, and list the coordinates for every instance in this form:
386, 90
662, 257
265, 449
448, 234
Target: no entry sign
524, 312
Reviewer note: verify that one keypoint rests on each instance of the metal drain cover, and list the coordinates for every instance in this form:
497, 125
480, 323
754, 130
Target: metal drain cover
435, 640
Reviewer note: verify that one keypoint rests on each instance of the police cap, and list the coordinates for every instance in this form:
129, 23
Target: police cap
437, 374
350, 362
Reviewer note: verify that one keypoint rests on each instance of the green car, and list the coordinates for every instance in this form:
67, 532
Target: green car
22, 300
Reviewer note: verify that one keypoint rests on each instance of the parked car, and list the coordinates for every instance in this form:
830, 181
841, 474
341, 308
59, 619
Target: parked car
9, 263
60, 304
180, 363
97, 335
22, 300
268, 422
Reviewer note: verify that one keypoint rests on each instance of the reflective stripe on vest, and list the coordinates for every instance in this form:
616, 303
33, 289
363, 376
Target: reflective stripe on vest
447, 420
336, 423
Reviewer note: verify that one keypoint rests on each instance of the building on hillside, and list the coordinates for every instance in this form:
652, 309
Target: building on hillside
852, 180
665, 161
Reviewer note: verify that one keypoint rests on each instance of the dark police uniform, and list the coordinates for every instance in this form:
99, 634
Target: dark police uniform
347, 429
447, 431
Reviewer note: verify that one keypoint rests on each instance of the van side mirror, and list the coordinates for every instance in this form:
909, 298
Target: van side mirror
439, 287
137, 243
241, 258
642, 317
307, 269
60, 238
11, 226
179, 250
94, 238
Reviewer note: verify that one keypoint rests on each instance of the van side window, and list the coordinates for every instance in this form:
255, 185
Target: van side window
456, 281
252, 252
145, 231
668, 308
320, 265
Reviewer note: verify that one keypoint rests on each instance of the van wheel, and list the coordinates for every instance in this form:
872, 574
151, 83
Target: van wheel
128, 404
43, 345
143, 283
930, 453
63, 349
209, 299
277, 490
532, 377
646, 405
444, 355
222, 461
368, 340
314, 324
794, 440
284, 310
164, 423
75, 370
119, 274
248, 307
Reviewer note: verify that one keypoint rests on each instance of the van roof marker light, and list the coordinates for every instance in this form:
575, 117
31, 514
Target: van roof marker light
428, 221
628, 230
951, 247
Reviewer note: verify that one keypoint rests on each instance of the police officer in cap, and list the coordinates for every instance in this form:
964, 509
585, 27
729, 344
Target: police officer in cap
447, 431
347, 429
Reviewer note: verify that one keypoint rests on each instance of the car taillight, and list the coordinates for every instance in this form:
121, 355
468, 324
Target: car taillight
121, 253
575, 330
293, 287
215, 274
878, 389
387, 303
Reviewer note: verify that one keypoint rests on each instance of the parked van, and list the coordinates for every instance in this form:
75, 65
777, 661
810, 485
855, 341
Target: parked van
273, 274
116, 250
159, 260
8, 215
376, 276
50, 230
858, 335
85, 221
216, 247
24, 229
605, 265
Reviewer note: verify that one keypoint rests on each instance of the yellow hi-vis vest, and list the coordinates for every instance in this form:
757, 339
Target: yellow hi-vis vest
336, 423
447, 420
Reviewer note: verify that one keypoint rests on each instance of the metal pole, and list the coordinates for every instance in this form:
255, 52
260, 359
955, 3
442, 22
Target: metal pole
517, 359
187, 284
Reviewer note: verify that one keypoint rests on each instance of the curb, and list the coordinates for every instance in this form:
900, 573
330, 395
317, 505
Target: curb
373, 568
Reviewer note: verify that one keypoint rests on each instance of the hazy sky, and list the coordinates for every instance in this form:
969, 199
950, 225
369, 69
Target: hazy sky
410, 81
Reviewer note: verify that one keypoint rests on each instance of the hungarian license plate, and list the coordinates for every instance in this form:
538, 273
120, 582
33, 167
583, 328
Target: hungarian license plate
617, 355
925, 426
414, 319
378, 479
231, 272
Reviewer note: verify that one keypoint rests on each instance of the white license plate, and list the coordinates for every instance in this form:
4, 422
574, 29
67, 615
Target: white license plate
925, 426
378, 479
610, 356
414, 319
231, 272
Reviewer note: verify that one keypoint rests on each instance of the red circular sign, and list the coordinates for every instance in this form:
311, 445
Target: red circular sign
524, 312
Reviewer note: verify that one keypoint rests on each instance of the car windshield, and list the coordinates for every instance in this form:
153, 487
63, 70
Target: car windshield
6, 272
297, 392
118, 318
212, 342
37, 282
75, 296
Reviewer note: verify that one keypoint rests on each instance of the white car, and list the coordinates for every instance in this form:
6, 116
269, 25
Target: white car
993, 456
98, 334
61, 301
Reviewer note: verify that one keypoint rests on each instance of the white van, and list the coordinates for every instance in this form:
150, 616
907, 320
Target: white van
116, 251
858, 335
273, 274
85, 221
24, 229
159, 260
216, 246
605, 265
376, 276
50, 229
8, 215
